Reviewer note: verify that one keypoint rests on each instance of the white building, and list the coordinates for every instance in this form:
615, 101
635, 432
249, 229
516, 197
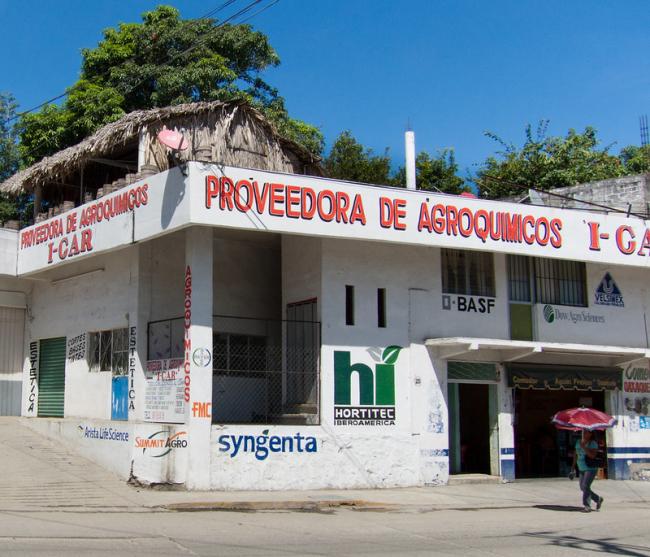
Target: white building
233, 328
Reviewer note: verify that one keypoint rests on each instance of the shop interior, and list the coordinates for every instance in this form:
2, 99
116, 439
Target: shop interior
542, 450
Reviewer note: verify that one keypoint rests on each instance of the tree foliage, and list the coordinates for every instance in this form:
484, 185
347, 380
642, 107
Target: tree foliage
349, 160
435, 173
9, 156
165, 60
545, 162
636, 160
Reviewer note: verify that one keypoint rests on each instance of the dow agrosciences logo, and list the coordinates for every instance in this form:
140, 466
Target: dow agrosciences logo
549, 313
161, 443
376, 389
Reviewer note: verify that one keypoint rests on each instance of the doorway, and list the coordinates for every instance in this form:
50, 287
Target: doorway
473, 433
51, 377
541, 450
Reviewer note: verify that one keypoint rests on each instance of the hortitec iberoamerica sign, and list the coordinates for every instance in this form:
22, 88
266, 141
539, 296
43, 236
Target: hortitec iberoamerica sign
296, 204
376, 389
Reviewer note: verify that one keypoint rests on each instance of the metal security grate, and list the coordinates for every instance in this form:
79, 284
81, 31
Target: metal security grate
560, 282
51, 377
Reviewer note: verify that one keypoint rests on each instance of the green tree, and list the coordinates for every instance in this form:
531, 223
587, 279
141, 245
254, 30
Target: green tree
545, 162
9, 156
636, 160
437, 173
164, 60
349, 160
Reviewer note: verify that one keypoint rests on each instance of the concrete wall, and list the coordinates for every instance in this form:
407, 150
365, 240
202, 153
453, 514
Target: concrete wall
301, 271
615, 192
8, 251
608, 325
82, 304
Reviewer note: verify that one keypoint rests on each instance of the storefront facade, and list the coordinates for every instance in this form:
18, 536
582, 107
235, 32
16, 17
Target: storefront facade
227, 328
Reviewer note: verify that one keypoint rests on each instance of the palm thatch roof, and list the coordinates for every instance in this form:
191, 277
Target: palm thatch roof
244, 137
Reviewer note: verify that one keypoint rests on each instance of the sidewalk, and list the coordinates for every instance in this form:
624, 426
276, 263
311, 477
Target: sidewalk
40, 474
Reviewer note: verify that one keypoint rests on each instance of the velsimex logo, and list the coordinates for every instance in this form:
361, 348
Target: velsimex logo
262, 445
608, 293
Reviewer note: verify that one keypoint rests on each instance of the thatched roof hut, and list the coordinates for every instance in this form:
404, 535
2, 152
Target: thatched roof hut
231, 133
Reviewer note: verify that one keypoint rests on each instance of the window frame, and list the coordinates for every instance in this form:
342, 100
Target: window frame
458, 267
106, 349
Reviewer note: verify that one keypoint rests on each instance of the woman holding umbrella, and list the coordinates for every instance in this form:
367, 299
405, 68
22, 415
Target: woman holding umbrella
587, 447
586, 420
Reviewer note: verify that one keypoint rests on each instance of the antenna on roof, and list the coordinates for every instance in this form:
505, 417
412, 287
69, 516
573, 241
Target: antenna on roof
175, 141
643, 124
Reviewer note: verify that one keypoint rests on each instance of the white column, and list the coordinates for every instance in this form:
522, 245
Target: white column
198, 353
139, 317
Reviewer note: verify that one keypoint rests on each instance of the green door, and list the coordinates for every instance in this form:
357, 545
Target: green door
520, 295
51, 377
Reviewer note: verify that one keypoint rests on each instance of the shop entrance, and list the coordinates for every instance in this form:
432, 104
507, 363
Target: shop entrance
473, 433
541, 450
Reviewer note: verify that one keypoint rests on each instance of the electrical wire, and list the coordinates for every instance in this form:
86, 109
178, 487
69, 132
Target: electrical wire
197, 43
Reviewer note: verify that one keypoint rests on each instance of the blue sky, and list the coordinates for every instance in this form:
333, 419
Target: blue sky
452, 69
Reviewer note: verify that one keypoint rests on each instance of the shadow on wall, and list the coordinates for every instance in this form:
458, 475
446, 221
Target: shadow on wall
175, 190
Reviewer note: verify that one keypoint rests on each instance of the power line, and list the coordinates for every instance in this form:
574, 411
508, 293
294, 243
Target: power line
196, 44
171, 59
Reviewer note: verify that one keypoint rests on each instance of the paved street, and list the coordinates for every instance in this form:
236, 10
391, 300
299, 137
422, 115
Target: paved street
522, 531
55, 503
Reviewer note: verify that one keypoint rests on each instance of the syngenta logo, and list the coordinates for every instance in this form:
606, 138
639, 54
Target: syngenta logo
376, 389
262, 445
161, 443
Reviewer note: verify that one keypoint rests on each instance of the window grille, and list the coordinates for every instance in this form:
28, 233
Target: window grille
109, 351
467, 272
547, 281
560, 282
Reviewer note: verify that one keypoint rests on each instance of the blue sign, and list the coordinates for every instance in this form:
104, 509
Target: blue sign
120, 398
608, 293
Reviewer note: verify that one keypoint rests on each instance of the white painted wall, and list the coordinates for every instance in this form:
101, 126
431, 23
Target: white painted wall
247, 276
342, 460
621, 326
91, 302
8, 251
301, 270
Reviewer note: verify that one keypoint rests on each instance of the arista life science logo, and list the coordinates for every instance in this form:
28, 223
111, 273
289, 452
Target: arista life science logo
376, 389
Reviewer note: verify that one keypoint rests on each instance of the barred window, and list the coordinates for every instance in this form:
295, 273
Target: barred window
560, 282
239, 353
467, 272
109, 351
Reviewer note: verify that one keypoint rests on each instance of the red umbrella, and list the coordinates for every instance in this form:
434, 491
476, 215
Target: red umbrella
577, 419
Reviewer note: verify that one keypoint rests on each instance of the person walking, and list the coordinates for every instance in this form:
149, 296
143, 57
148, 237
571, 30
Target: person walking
587, 447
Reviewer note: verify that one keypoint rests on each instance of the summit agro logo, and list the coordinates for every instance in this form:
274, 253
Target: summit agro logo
376, 389
608, 293
161, 443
